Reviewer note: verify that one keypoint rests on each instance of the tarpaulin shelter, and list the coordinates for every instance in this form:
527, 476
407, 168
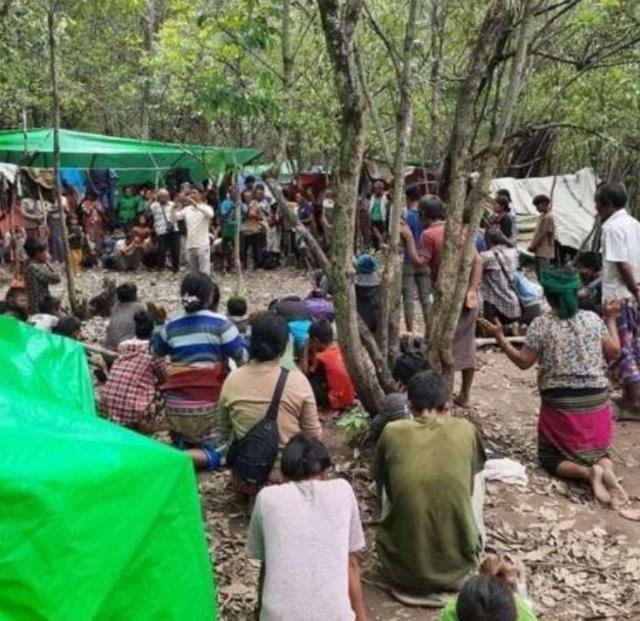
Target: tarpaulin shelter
98, 523
574, 208
136, 161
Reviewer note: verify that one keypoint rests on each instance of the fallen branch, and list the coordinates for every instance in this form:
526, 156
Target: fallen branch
107, 354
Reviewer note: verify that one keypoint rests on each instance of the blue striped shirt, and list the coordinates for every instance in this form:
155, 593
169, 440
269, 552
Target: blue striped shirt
200, 338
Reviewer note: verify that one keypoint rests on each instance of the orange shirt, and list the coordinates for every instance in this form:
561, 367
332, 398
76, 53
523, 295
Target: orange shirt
341, 391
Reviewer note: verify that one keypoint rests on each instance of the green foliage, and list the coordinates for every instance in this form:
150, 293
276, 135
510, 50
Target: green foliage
354, 425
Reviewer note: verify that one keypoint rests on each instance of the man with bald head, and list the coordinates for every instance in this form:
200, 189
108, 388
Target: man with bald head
163, 212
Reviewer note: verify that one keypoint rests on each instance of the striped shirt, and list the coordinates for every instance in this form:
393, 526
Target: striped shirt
199, 339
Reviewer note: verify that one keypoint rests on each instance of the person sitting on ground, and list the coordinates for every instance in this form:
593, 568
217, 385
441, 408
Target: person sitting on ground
320, 305
543, 244
16, 303
129, 395
128, 253
237, 312
570, 346
296, 314
48, 315
70, 327
322, 363
200, 346
39, 273
499, 265
589, 266
307, 533
429, 536
121, 325
247, 391
141, 230
497, 593
394, 405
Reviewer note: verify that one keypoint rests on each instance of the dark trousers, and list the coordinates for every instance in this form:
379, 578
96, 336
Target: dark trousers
169, 243
253, 242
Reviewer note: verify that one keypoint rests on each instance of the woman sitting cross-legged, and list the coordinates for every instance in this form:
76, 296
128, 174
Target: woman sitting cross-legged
307, 532
570, 346
429, 538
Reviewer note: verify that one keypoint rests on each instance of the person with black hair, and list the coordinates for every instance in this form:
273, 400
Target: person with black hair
589, 266
323, 364
16, 303
39, 273
121, 325
307, 533
200, 345
414, 278
429, 536
621, 280
497, 593
129, 395
512, 211
501, 219
571, 347
247, 391
237, 312
69, 326
197, 216
48, 315
394, 405
544, 240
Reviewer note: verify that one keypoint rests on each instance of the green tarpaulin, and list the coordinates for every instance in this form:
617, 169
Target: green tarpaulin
98, 523
135, 160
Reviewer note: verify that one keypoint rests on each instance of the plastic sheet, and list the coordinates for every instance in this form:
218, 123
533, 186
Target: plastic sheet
97, 523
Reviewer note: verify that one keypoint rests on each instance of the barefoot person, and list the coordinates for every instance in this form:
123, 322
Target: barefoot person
575, 426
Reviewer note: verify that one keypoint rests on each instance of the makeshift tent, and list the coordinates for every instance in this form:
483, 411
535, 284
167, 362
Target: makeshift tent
574, 207
135, 160
98, 523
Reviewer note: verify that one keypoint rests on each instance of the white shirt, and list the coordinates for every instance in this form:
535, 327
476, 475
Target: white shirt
304, 533
197, 220
162, 217
620, 244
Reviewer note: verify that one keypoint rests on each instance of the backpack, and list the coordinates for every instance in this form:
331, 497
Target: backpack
252, 457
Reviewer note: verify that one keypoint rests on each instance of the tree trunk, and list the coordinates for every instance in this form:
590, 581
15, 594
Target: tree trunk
287, 82
148, 31
339, 21
436, 22
453, 277
55, 100
391, 289
237, 261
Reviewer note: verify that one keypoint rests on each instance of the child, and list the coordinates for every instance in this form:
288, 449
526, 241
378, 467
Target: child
76, 241
543, 242
128, 397
49, 313
237, 313
39, 274
69, 326
323, 364
589, 266
16, 303
498, 592
394, 405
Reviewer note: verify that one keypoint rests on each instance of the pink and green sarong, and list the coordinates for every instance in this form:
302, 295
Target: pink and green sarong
574, 425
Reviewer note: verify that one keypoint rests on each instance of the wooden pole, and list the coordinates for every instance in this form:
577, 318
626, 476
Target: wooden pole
51, 23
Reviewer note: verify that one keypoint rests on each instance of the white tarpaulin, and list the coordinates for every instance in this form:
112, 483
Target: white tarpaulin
573, 203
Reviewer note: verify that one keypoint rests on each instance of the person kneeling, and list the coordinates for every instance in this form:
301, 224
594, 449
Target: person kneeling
429, 537
128, 397
307, 532
323, 364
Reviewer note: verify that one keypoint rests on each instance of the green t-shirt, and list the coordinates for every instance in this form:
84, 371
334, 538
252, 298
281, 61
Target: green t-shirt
129, 206
376, 209
524, 611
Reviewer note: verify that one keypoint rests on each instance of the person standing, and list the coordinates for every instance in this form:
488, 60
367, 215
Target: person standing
251, 231
620, 278
543, 244
197, 216
130, 204
414, 278
378, 205
166, 230
307, 533
39, 274
54, 226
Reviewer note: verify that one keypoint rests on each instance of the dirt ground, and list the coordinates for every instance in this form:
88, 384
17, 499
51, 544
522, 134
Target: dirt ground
583, 560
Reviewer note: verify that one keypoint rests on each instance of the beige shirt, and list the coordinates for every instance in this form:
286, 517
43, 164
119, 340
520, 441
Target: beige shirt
197, 220
545, 228
246, 395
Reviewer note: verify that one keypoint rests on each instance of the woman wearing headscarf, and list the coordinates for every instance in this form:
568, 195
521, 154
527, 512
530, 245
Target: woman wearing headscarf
571, 347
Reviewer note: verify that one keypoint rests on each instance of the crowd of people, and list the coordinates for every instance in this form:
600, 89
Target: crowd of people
250, 389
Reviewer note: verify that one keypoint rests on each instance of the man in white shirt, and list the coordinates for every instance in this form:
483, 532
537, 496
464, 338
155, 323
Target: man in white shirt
166, 230
620, 280
197, 216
